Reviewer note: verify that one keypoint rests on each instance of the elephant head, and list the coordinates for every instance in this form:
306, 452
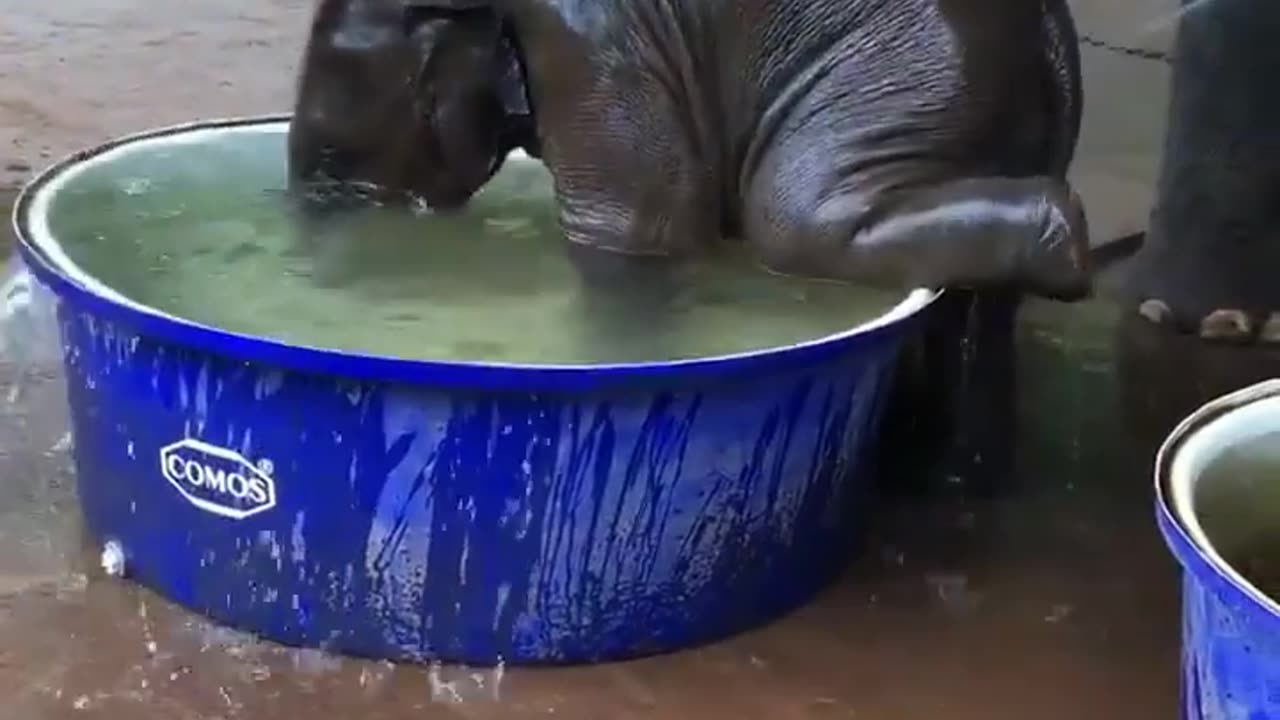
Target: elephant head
408, 99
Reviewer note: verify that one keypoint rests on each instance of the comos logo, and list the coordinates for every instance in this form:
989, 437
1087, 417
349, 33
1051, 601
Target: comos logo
218, 480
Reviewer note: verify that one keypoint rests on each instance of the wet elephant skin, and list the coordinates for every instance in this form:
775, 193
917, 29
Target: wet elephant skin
920, 142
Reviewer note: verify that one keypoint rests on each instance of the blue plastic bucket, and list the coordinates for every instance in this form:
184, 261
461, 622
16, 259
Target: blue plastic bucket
1231, 630
457, 511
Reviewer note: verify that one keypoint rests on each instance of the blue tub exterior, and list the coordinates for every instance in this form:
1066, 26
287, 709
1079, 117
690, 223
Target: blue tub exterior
1230, 638
480, 514
413, 522
1230, 642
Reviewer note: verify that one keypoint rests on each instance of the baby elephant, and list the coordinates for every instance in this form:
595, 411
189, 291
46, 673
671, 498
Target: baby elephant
918, 142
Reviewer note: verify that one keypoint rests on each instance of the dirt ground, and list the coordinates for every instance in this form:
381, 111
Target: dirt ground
77, 73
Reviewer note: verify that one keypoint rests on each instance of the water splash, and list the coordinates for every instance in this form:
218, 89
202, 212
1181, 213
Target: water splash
460, 684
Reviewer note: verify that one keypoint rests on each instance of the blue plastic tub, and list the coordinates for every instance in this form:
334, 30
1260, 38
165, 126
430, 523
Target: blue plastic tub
464, 512
1231, 631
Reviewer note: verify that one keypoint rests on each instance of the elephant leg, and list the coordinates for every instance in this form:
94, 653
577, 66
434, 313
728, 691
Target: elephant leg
1024, 233
992, 239
884, 169
630, 303
954, 235
1210, 260
634, 195
630, 176
997, 237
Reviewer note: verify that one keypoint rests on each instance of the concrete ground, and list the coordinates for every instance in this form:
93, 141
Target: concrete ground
1052, 601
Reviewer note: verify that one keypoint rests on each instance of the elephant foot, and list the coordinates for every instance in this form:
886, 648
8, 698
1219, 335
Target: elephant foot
1226, 325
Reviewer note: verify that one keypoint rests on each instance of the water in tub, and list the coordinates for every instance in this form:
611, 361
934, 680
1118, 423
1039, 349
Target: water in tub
1238, 504
205, 231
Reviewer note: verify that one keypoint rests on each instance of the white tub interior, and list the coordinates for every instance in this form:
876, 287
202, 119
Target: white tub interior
1255, 414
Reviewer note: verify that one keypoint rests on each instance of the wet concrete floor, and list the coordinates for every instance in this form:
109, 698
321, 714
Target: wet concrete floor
1052, 598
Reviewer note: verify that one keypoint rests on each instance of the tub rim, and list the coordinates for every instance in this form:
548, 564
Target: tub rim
1192, 443
39, 249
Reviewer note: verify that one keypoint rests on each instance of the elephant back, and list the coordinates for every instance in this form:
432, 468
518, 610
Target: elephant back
1066, 96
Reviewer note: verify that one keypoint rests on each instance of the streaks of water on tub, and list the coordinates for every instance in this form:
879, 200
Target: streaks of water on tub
298, 541
269, 383
601, 509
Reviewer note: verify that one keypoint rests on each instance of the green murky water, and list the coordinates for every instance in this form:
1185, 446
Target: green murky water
203, 230
1238, 503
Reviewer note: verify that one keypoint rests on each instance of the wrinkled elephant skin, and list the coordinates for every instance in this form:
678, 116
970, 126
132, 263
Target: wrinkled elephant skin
909, 142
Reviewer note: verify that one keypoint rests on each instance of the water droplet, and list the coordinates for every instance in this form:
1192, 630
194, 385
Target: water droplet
136, 186
113, 559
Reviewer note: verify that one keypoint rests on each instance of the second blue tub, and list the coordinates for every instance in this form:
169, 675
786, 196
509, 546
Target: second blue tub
1230, 629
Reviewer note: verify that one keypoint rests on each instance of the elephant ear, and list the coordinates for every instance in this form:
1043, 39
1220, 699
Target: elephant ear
513, 90
471, 58
457, 85
511, 81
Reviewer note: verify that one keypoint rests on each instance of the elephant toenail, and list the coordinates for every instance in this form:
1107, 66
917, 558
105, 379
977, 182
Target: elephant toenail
1156, 312
1233, 325
1270, 333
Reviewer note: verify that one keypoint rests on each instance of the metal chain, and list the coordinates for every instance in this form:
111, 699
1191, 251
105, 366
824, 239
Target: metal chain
1142, 53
